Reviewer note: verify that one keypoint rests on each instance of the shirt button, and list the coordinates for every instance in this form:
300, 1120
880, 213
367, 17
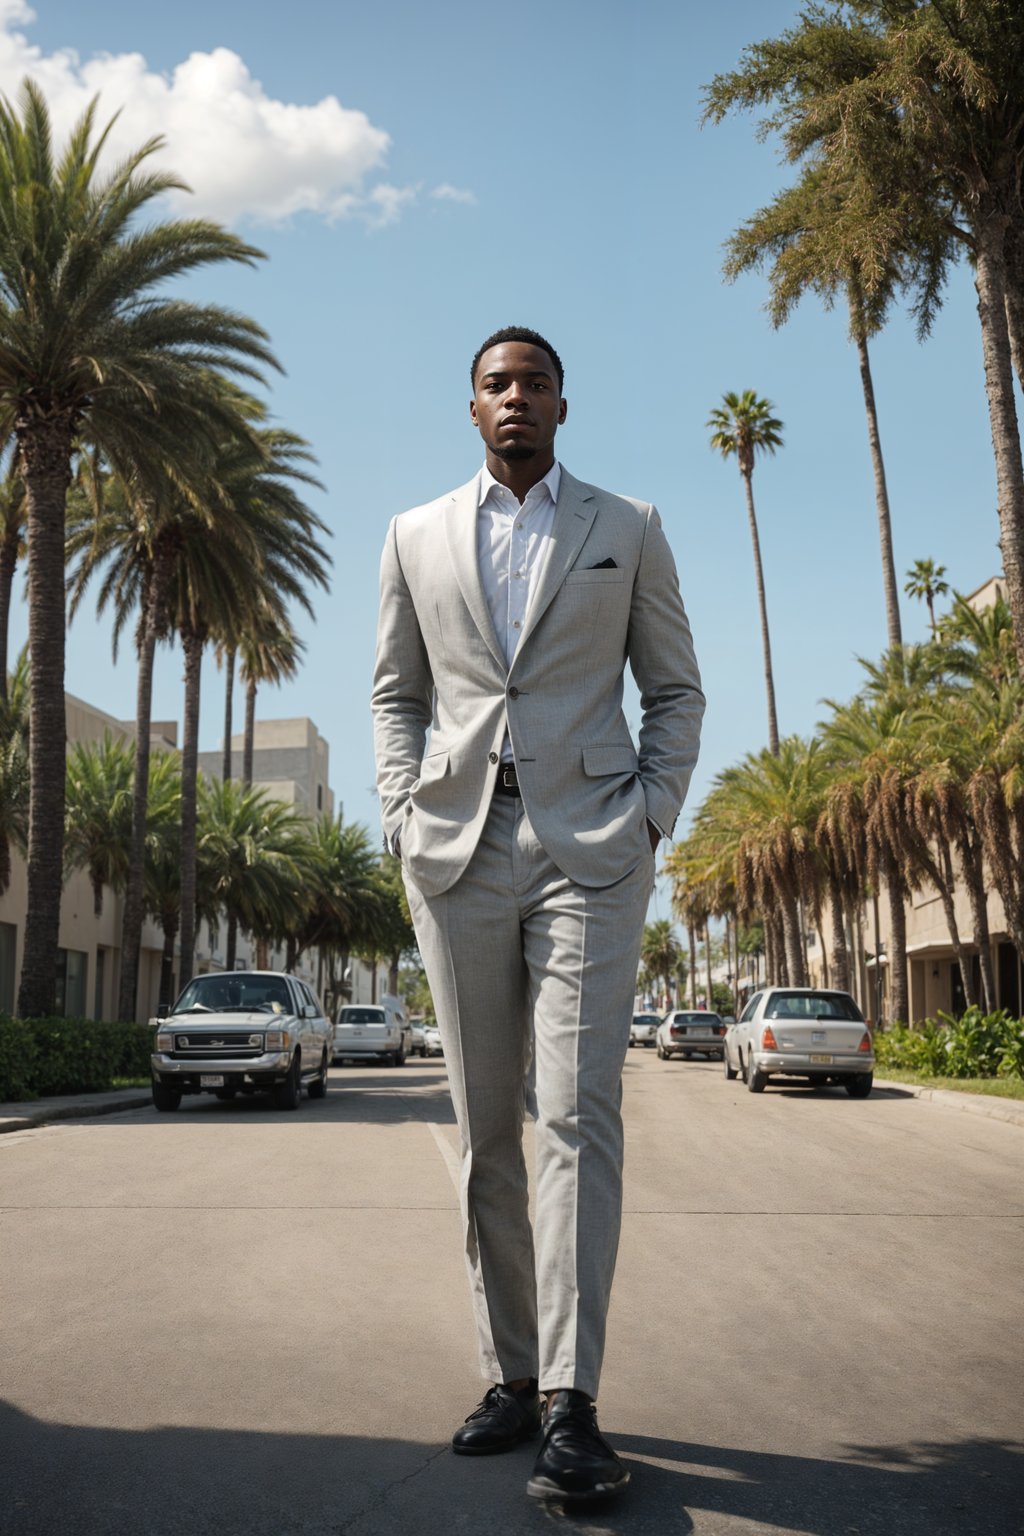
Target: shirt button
492, 757
513, 693
516, 624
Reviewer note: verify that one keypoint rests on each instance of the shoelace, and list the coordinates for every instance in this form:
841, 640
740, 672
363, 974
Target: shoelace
493, 1401
576, 1430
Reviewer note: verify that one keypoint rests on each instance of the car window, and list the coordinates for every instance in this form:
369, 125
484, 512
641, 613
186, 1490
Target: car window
235, 991
813, 1005
749, 1010
361, 1016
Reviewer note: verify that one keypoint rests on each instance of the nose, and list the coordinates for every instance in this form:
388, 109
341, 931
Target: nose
515, 395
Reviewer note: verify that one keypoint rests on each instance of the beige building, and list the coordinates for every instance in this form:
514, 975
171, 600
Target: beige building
89, 956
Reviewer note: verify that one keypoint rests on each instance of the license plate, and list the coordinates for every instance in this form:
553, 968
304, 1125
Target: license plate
824, 1059
212, 1080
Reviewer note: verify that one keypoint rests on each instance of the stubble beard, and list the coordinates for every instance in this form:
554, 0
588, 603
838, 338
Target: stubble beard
512, 453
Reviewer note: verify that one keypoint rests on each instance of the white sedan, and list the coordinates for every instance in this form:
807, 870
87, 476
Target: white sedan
803, 1032
690, 1031
432, 1040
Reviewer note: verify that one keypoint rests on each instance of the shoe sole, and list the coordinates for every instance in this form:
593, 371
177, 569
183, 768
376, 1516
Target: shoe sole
544, 1488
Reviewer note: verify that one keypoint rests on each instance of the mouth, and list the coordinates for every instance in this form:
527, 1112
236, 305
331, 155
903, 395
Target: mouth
516, 424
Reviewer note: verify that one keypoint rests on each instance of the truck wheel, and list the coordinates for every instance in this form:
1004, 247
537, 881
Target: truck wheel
288, 1094
318, 1087
165, 1099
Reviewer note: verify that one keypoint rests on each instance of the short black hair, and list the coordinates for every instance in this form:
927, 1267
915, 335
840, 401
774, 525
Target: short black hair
518, 333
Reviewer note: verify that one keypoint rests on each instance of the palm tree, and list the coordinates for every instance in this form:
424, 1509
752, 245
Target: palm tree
661, 955
343, 912
744, 425
924, 579
805, 235
162, 889
270, 652
98, 814
254, 858
88, 350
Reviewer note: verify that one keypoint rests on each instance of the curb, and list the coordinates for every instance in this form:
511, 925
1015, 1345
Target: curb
26, 1117
1010, 1111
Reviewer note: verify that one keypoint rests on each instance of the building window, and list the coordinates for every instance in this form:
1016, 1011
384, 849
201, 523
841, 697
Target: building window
71, 966
8, 950
319, 797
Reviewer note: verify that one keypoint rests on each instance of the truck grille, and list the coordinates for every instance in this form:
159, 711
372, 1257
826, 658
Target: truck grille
240, 1043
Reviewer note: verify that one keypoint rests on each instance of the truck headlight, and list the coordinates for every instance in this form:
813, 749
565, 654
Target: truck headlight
278, 1039
164, 1041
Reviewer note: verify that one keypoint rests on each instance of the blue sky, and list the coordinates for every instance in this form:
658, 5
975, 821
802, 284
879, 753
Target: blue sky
541, 164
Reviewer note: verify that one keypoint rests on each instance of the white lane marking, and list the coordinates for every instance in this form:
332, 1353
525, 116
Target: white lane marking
448, 1152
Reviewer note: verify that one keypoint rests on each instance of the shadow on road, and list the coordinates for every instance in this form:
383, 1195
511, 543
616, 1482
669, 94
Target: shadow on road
189, 1480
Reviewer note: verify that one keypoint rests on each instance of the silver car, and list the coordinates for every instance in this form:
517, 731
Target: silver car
801, 1032
690, 1031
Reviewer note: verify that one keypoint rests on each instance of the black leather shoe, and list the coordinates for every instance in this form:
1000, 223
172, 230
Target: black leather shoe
503, 1420
576, 1463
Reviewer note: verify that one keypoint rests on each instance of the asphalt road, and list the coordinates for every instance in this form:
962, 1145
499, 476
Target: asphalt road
237, 1320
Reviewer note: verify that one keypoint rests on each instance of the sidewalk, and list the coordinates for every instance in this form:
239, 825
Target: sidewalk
35, 1112
1011, 1110
70, 1106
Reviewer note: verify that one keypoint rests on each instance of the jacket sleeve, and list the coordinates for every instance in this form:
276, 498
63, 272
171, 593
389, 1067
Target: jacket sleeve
663, 663
403, 692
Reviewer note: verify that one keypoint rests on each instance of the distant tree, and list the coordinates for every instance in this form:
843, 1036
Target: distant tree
924, 580
743, 425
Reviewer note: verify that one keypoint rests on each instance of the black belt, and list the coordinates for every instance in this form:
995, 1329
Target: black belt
507, 783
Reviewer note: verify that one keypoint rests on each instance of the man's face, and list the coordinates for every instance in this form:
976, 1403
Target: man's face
516, 404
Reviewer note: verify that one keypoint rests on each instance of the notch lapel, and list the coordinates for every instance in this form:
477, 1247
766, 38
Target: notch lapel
574, 515
460, 516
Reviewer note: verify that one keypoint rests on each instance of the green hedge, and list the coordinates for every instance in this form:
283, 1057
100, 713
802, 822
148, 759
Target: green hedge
44, 1056
976, 1045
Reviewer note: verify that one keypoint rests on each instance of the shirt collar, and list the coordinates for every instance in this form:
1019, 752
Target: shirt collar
552, 480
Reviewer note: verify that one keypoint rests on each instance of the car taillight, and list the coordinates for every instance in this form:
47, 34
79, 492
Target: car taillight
865, 1043
676, 1029
768, 1040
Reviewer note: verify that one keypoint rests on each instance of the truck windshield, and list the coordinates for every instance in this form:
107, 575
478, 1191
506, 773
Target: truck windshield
234, 993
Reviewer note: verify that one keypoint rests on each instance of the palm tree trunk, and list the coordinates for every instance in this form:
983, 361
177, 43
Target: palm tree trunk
170, 931
944, 882
1015, 295
790, 916
8, 565
769, 681
45, 449
990, 281
248, 749
692, 940
192, 643
840, 953
782, 978
151, 621
231, 945
892, 602
229, 690
969, 849
899, 996
707, 962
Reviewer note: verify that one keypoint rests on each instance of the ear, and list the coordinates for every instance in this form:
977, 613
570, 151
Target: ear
472, 413
563, 406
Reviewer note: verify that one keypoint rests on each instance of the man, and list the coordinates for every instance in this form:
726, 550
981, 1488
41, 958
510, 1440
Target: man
526, 826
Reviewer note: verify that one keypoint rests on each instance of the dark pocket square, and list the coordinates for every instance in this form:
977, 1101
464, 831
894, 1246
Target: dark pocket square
604, 565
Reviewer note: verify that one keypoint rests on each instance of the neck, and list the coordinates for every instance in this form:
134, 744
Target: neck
522, 474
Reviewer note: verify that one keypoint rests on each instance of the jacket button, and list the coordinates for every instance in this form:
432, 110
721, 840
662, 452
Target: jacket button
513, 693
492, 757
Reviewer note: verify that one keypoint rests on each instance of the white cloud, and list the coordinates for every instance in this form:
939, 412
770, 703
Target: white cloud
244, 154
446, 193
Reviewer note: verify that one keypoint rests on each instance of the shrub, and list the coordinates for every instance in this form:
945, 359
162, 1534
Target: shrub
976, 1045
45, 1056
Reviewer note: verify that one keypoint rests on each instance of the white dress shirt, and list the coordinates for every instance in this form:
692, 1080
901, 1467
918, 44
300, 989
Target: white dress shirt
513, 541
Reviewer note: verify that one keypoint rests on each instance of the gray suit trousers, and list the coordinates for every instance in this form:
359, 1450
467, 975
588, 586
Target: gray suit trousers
533, 979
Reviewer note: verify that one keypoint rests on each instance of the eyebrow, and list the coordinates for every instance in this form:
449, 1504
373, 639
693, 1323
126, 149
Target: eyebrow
530, 373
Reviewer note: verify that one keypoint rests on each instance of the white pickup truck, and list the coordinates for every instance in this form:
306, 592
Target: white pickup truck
378, 1030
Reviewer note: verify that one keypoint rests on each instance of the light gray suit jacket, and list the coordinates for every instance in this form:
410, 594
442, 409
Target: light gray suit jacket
440, 668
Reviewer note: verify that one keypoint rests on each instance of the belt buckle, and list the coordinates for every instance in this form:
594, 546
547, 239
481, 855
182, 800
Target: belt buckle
508, 777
